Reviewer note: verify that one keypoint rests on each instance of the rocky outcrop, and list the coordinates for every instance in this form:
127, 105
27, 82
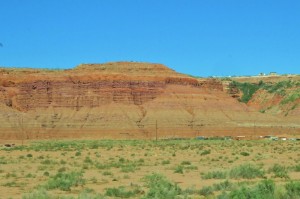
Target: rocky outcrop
120, 100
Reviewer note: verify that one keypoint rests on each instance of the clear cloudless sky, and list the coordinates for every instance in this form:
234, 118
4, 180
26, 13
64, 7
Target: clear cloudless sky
198, 37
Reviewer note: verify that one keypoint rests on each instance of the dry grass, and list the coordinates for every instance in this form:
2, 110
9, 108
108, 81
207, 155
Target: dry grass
132, 169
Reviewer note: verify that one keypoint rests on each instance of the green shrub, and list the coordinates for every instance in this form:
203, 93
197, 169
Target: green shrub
223, 186
29, 155
215, 175
206, 191
164, 162
244, 153
179, 169
185, 163
246, 171
264, 190
205, 152
40, 194
120, 192
279, 171
297, 168
88, 160
107, 173
64, 181
248, 90
128, 168
293, 190
160, 187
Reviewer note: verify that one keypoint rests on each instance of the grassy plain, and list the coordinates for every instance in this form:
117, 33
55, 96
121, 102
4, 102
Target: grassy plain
148, 169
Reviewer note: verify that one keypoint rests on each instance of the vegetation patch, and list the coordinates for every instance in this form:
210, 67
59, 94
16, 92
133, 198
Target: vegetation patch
64, 181
246, 171
160, 187
248, 89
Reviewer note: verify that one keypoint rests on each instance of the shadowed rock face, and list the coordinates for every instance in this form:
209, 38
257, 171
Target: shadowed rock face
119, 100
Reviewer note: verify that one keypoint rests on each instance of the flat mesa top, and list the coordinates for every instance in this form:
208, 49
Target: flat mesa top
111, 70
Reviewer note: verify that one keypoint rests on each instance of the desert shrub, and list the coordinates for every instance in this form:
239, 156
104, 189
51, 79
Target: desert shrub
215, 175
205, 152
128, 168
64, 181
179, 169
88, 160
107, 173
40, 194
121, 192
206, 191
62, 169
191, 167
292, 190
264, 190
160, 187
244, 153
29, 155
63, 162
88, 195
279, 171
222, 186
48, 162
246, 171
185, 163
164, 162
297, 168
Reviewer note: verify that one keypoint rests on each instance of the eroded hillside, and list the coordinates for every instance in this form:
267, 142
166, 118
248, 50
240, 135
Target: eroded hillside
125, 100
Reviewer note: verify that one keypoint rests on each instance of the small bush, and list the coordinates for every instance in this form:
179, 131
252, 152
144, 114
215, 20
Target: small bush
160, 187
297, 168
244, 153
40, 194
107, 173
179, 169
279, 171
293, 190
128, 168
264, 190
223, 186
120, 192
215, 175
185, 163
205, 152
206, 191
246, 171
29, 155
164, 162
64, 181
88, 160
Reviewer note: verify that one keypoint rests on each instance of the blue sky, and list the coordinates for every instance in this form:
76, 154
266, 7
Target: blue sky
198, 37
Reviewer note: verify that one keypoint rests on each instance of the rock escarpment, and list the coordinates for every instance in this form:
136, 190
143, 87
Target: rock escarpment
119, 100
